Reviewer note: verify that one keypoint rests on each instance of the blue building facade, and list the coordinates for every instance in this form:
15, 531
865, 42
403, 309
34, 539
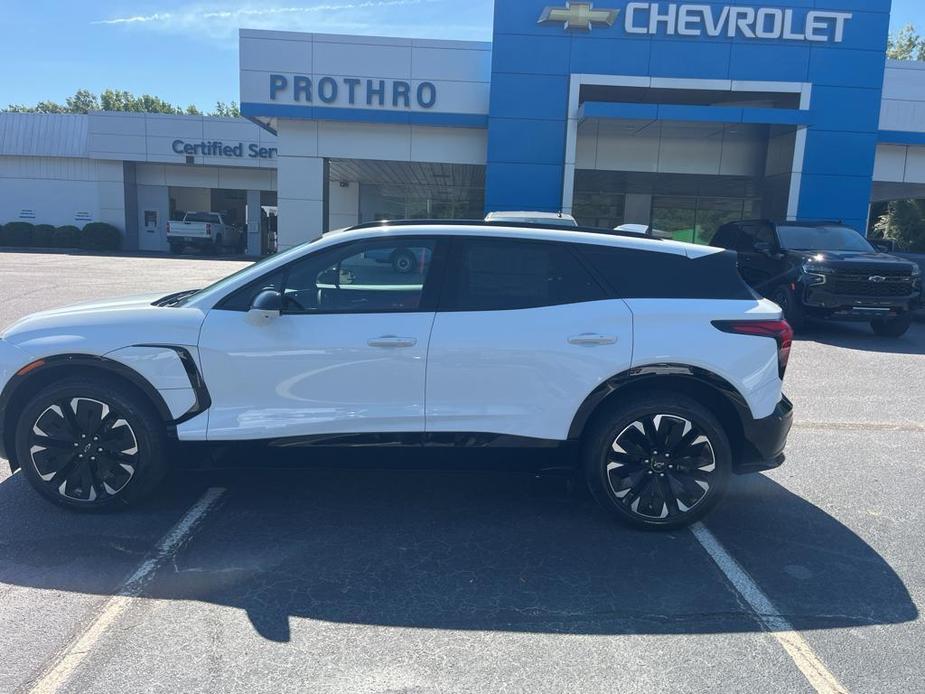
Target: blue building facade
828, 55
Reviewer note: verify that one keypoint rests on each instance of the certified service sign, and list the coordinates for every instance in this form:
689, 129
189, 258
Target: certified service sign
730, 21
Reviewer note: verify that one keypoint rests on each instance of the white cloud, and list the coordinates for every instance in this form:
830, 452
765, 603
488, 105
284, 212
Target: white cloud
222, 21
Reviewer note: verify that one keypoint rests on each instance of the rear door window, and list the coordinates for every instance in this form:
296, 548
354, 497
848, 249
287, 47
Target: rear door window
491, 274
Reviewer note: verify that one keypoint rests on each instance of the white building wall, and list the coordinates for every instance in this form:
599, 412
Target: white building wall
669, 148
343, 204
60, 190
903, 105
460, 70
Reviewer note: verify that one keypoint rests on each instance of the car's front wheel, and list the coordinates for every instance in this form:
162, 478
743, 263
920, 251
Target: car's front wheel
91, 444
892, 327
659, 461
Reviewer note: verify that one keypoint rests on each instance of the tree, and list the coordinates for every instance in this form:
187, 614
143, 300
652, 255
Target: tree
224, 110
906, 44
85, 101
904, 222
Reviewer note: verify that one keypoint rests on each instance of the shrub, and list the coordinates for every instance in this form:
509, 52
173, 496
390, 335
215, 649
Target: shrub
41, 235
16, 234
99, 236
65, 237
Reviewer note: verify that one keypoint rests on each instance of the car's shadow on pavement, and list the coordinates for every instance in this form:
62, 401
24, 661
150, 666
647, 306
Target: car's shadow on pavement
859, 336
470, 551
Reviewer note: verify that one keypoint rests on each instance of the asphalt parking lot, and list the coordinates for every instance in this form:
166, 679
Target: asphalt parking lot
366, 581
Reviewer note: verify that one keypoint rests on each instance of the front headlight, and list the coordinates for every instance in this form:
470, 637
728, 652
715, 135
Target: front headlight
815, 273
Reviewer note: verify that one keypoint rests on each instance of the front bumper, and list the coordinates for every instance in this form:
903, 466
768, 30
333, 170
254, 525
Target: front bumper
764, 439
820, 302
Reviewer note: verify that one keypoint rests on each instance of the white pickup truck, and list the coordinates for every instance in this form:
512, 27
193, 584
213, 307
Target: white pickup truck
204, 230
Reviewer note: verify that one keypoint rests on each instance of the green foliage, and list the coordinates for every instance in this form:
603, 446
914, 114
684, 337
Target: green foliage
906, 44
67, 236
85, 101
99, 236
224, 110
42, 234
904, 222
16, 234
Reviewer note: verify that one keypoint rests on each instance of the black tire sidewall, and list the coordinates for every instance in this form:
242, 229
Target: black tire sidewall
793, 311
605, 429
893, 327
149, 430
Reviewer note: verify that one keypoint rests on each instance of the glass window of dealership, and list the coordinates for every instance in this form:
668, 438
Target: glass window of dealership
680, 115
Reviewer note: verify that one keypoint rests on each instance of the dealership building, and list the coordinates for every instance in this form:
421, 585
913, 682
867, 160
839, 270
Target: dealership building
679, 115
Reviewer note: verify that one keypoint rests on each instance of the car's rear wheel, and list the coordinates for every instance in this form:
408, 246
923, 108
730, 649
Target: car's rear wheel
176, 247
892, 327
91, 444
660, 461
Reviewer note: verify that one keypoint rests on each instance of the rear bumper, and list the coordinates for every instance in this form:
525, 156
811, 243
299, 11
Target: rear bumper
764, 439
190, 240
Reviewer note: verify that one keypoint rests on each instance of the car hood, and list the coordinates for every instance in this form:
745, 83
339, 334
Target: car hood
98, 327
854, 260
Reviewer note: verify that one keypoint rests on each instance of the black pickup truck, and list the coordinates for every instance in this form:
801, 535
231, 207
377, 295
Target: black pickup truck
824, 270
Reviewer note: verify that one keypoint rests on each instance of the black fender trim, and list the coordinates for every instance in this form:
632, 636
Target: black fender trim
757, 444
640, 374
203, 400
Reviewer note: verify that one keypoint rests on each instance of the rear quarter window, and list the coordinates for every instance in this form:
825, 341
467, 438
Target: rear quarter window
635, 274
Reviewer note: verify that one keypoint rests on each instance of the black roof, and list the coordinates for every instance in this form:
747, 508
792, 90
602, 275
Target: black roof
790, 222
508, 224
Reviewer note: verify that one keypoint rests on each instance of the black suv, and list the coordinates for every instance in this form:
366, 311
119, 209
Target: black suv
824, 270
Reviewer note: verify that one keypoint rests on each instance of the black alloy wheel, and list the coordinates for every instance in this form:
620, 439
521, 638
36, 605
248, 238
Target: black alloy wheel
664, 463
661, 466
89, 445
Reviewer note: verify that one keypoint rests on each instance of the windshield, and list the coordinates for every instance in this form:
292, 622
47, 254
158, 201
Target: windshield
201, 217
294, 251
821, 238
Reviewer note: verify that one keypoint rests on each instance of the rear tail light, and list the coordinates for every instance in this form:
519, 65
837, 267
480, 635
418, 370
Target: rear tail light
167, 226
209, 229
780, 330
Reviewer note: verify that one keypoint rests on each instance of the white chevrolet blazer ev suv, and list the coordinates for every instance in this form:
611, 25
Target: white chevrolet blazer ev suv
650, 360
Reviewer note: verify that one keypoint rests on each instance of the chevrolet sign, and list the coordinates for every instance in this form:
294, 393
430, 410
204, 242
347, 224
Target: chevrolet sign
578, 15
730, 21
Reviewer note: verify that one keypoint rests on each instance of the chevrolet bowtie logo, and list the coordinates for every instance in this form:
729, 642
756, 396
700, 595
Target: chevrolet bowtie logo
578, 15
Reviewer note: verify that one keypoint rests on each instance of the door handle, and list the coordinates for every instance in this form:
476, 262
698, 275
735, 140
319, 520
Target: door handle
592, 339
392, 341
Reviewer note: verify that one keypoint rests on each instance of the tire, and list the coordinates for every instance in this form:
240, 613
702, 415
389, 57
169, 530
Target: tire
176, 248
122, 465
640, 484
892, 327
217, 246
404, 261
790, 305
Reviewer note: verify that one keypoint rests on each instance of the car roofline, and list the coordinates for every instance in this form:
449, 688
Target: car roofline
506, 223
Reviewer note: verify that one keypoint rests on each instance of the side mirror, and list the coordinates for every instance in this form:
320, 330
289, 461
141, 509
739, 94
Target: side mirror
883, 245
267, 306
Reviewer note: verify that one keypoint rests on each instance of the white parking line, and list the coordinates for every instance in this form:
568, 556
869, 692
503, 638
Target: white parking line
67, 663
813, 669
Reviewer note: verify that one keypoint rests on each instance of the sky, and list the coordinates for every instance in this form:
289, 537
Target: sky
186, 51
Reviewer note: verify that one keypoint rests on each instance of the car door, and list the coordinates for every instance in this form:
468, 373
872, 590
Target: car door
346, 355
756, 248
522, 335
